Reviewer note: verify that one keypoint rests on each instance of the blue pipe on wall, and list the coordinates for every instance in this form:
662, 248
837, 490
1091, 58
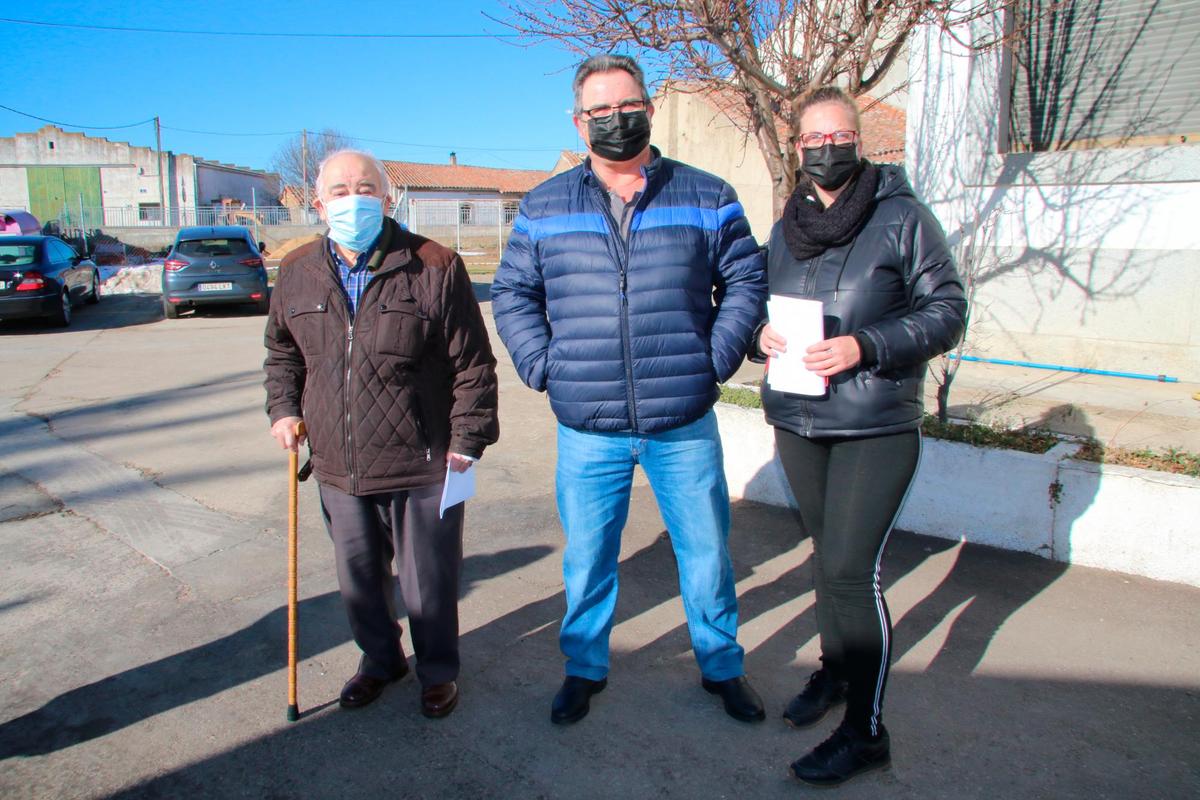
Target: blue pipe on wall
1060, 368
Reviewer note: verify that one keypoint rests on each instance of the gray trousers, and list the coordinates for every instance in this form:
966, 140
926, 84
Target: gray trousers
368, 532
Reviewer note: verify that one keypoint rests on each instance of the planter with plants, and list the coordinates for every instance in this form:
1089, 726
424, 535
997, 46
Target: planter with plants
1070, 500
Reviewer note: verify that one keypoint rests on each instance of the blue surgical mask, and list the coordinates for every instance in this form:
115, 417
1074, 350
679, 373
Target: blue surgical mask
354, 220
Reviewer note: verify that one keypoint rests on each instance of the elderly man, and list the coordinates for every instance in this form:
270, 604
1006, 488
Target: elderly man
605, 299
375, 339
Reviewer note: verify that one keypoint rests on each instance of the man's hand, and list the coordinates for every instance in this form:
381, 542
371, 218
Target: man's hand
833, 356
284, 431
770, 343
458, 463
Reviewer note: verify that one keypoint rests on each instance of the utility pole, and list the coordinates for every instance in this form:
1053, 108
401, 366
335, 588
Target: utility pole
162, 180
304, 168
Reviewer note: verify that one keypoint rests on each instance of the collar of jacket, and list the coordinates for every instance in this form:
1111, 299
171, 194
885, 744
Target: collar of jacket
390, 251
648, 171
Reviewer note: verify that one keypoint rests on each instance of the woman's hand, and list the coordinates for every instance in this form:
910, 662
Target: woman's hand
832, 355
770, 343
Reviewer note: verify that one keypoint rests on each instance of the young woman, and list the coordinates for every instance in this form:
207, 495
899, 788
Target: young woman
855, 237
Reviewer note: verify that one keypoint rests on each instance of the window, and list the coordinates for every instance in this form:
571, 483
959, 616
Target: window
1103, 73
210, 248
150, 212
17, 255
511, 209
466, 213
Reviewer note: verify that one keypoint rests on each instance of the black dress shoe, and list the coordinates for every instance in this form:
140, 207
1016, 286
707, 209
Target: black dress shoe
439, 700
363, 689
741, 701
821, 693
842, 756
573, 700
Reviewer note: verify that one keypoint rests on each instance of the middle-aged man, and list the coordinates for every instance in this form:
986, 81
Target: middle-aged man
376, 340
605, 299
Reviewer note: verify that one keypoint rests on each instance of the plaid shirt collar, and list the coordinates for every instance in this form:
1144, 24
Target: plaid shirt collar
355, 277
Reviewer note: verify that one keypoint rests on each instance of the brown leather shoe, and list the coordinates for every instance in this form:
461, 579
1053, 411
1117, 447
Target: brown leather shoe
363, 689
439, 700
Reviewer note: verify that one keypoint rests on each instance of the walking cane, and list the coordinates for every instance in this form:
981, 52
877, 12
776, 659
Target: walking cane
293, 711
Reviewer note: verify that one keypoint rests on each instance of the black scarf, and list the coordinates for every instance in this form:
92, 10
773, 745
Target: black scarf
810, 230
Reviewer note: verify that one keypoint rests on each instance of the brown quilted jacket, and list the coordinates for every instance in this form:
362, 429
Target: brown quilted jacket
384, 399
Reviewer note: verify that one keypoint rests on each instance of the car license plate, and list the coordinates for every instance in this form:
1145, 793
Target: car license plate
5, 285
215, 287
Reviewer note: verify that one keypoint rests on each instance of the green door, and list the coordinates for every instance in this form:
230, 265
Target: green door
54, 193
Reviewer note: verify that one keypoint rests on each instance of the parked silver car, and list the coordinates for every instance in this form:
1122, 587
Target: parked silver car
43, 276
210, 265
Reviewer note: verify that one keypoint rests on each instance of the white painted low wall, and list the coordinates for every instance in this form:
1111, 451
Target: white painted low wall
1118, 518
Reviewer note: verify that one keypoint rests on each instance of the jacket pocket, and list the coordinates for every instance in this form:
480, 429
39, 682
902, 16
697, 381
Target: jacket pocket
307, 321
401, 331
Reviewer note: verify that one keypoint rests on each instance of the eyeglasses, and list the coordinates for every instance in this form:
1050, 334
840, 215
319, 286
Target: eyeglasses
604, 112
811, 141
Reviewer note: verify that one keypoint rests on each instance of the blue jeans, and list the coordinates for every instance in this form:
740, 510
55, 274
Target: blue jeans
686, 472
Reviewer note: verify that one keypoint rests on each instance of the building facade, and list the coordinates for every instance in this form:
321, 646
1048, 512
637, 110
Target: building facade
91, 182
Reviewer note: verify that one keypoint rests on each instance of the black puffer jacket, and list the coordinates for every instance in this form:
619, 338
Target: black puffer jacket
896, 284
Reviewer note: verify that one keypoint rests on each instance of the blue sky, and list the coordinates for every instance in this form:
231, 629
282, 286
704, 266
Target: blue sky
494, 103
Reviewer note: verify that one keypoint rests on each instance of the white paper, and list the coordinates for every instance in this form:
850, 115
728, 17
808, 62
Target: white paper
802, 323
459, 486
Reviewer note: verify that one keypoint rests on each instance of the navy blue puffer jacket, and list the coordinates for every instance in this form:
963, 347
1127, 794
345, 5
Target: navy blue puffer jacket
629, 336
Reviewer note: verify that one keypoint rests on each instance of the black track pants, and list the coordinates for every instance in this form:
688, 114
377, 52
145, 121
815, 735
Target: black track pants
850, 491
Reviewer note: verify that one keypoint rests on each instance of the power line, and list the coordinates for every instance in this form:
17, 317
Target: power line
84, 127
453, 147
379, 141
227, 133
258, 34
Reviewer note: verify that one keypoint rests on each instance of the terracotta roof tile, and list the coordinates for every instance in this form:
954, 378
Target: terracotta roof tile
415, 175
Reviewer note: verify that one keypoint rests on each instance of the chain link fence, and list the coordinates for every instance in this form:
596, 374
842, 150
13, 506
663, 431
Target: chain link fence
477, 229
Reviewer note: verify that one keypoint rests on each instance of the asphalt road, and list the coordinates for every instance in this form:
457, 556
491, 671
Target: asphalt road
142, 529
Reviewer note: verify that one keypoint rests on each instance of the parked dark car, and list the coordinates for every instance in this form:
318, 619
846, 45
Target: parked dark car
214, 266
43, 277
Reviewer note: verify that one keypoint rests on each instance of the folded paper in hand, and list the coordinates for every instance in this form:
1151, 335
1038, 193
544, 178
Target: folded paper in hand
802, 323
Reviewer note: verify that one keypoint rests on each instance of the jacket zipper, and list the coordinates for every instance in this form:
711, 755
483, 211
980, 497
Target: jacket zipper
420, 417
346, 400
623, 271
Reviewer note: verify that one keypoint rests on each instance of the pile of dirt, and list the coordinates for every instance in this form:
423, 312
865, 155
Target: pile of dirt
277, 253
142, 279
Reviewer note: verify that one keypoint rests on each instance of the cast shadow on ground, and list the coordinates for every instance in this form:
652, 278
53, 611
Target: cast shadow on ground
113, 311
105, 706
654, 732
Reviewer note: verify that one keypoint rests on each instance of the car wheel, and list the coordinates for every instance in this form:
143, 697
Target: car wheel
263, 306
94, 295
61, 317
170, 310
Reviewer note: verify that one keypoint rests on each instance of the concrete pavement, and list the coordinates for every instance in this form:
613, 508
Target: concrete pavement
142, 521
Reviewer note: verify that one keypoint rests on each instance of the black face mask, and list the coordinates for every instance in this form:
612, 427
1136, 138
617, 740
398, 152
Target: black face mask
620, 136
831, 165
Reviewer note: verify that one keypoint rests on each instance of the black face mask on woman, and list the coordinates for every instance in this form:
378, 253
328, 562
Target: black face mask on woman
830, 165
620, 136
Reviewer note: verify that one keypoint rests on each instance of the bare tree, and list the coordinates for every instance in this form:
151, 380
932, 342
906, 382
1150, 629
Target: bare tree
767, 53
297, 159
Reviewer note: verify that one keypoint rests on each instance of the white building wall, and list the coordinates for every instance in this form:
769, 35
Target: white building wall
1096, 253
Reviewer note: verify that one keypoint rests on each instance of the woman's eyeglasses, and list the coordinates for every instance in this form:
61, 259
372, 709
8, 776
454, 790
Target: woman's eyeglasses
813, 140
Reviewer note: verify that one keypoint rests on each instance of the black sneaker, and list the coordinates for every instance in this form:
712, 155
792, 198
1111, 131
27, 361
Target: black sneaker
842, 756
820, 694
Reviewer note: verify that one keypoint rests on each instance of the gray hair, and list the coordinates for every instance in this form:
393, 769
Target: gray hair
385, 186
607, 62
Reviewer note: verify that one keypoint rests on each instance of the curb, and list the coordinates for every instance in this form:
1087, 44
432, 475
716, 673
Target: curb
1118, 518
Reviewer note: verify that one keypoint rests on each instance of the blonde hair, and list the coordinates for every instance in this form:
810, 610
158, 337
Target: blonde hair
829, 94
